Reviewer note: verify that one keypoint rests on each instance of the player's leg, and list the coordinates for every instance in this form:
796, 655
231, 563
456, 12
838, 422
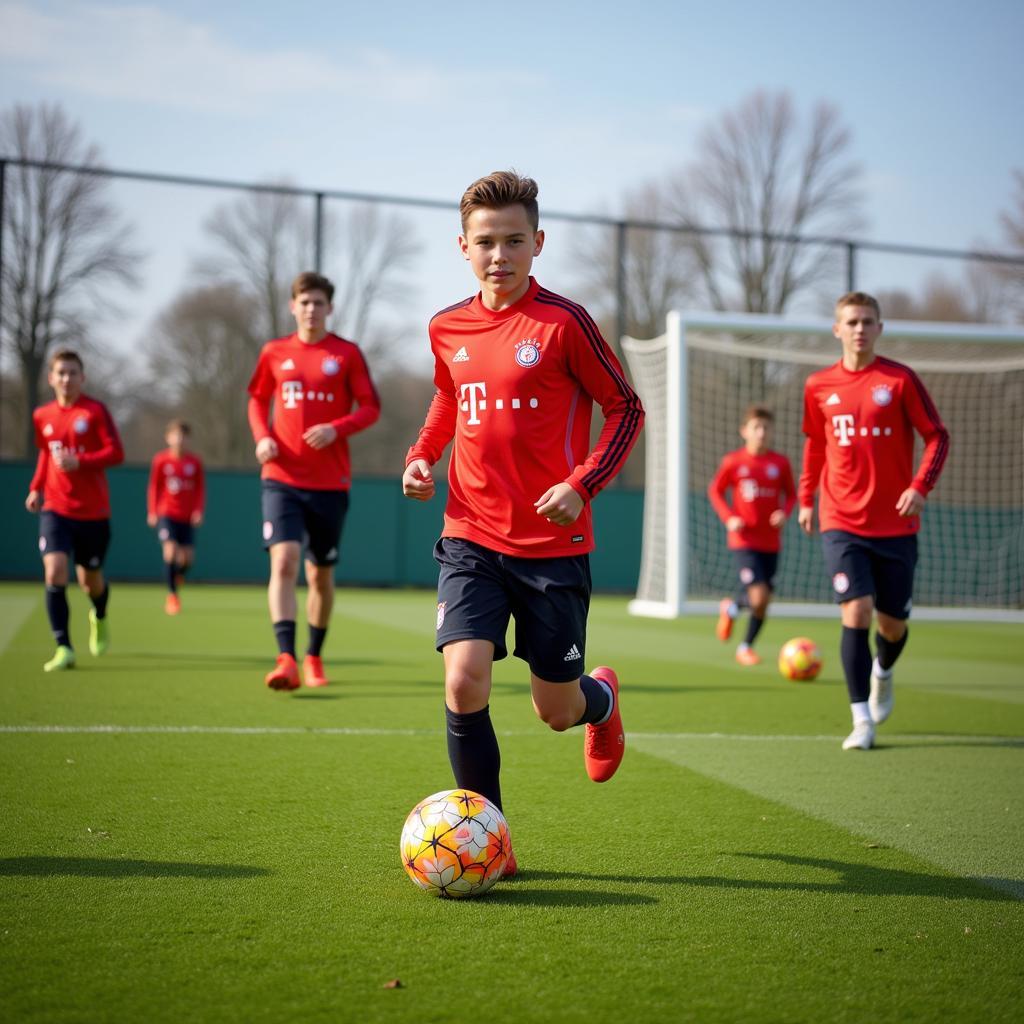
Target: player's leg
324, 517
91, 539
169, 553
729, 608
848, 563
283, 533
895, 561
55, 545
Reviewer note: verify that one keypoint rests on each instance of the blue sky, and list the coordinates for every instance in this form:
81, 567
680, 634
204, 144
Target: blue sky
589, 98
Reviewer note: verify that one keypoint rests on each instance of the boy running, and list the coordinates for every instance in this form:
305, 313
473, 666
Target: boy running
174, 502
313, 378
517, 370
77, 442
859, 417
763, 495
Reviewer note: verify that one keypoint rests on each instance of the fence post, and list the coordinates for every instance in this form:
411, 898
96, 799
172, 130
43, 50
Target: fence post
851, 266
3, 225
621, 241
318, 232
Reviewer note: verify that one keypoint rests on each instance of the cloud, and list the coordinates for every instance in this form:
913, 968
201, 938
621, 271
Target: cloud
149, 55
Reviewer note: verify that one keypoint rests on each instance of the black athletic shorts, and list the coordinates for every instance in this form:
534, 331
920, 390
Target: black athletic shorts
756, 566
178, 530
312, 518
479, 589
878, 567
86, 540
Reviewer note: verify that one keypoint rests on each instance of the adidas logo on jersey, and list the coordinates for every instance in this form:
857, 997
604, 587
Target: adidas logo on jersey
833, 399
462, 356
288, 364
573, 654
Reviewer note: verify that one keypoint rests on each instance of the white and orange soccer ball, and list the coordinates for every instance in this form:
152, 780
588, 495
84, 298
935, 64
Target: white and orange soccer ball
800, 659
455, 843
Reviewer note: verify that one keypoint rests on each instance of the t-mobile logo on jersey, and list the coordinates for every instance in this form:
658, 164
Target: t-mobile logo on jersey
843, 428
473, 399
291, 392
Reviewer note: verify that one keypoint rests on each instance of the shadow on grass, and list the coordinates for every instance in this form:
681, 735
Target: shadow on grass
101, 867
853, 879
564, 897
171, 662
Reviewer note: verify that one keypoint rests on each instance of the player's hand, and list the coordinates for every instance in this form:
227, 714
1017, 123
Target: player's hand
65, 461
151, 521
417, 481
266, 450
911, 503
777, 518
805, 518
320, 436
734, 523
34, 501
196, 519
560, 504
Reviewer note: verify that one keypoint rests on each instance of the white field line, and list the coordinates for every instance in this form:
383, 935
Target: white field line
271, 730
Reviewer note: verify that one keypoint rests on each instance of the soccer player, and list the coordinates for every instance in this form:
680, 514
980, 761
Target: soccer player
77, 442
763, 495
859, 417
174, 505
313, 378
517, 370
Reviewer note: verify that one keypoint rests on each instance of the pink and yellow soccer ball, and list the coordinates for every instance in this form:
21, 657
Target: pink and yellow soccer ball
800, 659
455, 843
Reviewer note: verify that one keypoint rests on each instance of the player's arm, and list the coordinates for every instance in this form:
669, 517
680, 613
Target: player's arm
153, 490
780, 515
367, 400
437, 431
591, 361
110, 452
717, 491
813, 462
261, 391
34, 500
926, 421
199, 506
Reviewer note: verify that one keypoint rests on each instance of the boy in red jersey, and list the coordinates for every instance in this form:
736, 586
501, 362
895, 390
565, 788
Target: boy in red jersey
859, 417
77, 442
174, 505
313, 378
517, 370
763, 495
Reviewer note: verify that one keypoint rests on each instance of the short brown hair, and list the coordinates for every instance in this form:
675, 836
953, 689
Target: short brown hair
858, 299
178, 425
499, 190
757, 412
66, 355
311, 281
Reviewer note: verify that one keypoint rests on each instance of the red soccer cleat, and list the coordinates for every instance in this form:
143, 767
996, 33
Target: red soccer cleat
723, 628
747, 656
604, 744
172, 604
284, 675
313, 671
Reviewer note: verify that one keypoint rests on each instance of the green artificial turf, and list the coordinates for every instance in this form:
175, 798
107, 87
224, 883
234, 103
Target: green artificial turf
180, 843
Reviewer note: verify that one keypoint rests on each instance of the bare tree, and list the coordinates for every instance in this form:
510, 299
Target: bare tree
64, 244
1012, 222
761, 170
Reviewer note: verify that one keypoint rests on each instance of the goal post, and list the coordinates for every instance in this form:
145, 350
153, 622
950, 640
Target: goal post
697, 378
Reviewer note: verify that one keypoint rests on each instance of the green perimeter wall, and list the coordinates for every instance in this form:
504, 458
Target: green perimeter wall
388, 539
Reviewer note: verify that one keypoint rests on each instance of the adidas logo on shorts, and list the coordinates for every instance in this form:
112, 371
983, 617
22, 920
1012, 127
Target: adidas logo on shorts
573, 654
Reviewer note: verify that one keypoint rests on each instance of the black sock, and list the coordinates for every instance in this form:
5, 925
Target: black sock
172, 576
100, 603
740, 597
753, 628
284, 631
57, 610
889, 650
856, 656
473, 752
316, 640
598, 704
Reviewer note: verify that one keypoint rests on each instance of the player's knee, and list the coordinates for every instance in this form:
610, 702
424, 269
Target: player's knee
465, 690
558, 719
284, 565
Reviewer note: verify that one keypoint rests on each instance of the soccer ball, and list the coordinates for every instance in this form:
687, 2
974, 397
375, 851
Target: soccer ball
800, 659
455, 843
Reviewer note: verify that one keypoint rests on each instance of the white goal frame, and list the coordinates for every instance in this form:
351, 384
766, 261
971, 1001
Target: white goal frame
671, 459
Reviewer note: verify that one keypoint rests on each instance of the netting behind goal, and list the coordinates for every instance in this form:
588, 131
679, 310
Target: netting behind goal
695, 382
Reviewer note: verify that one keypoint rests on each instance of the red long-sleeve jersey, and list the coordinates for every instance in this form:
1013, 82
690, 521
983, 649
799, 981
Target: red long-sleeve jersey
309, 384
860, 446
760, 485
516, 388
86, 429
177, 486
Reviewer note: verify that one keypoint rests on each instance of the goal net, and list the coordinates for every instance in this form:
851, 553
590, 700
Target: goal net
696, 380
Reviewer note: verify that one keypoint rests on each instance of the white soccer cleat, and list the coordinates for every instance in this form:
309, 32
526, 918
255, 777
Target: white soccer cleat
881, 700
862, 737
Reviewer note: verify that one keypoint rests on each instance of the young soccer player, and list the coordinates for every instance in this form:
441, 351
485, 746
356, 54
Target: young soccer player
174, 504
859, 417
77, 442
763, 495
313, 378
517, 370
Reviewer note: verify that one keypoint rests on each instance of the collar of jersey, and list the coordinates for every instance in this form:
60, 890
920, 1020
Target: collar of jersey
508, 311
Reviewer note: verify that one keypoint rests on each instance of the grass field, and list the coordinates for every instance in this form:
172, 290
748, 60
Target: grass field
179, 843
